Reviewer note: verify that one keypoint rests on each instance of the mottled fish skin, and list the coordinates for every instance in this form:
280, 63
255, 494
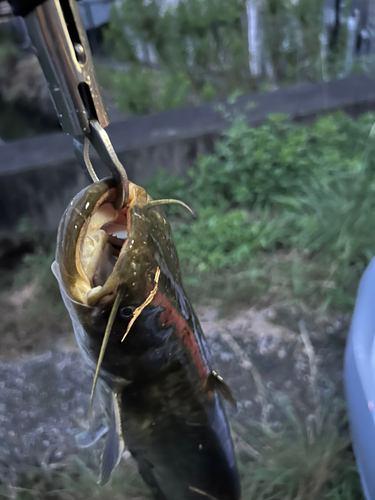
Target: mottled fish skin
171, 419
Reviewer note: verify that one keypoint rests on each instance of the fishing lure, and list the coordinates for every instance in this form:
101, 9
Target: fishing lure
119, 277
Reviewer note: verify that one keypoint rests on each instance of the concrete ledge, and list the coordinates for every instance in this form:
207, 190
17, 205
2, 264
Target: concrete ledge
39, 176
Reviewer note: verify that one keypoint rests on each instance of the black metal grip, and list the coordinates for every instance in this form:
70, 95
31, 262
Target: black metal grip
24, 7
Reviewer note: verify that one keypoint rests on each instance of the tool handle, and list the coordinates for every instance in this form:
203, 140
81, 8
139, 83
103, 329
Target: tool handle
57, 33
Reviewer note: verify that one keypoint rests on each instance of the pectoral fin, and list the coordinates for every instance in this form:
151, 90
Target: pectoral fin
88, 438
114, 446
215, 382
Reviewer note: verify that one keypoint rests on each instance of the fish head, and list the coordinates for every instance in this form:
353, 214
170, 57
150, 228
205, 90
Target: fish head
101, 249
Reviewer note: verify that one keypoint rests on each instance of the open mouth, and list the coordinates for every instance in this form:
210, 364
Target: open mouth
100, 243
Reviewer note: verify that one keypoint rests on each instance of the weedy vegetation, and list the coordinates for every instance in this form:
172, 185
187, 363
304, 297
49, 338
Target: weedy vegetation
304, 460
74, 481
165, 56
33, 314
308, 455
282, 207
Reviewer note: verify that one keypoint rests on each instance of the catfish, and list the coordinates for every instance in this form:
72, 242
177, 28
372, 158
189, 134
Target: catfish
119, 277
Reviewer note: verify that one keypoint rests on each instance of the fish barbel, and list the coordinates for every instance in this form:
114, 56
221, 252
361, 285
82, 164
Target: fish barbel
119, 277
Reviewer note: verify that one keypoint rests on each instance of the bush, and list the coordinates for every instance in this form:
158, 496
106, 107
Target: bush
207, 41
251, 166
304, 192
222, 238
142, 90
331, 224
201, 40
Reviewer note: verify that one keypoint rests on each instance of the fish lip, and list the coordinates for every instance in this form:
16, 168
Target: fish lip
75, 216
56, 272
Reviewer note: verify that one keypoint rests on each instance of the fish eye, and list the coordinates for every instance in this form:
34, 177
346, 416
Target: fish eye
127, 312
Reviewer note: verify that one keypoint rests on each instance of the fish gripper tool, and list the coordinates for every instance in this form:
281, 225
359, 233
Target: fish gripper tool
56, 31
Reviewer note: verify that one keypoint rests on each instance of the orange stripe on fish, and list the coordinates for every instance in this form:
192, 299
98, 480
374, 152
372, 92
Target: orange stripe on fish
171, 317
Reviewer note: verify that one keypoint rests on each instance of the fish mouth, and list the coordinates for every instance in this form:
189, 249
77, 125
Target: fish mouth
101, 246
103, 238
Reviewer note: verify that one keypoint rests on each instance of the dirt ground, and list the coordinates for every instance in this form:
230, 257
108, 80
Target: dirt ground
44, 387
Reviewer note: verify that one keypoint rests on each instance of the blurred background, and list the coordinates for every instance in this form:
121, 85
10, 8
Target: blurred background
260, 115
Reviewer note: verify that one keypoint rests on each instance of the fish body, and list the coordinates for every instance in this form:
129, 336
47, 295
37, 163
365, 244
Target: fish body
158, 387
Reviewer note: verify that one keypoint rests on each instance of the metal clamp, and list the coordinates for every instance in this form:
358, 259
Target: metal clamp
98, 137
56, 31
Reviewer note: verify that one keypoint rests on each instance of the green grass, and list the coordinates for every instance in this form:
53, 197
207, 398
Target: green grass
197, 50
313, 247
301, 462
309, 456
75, 481
283, 207
33, 312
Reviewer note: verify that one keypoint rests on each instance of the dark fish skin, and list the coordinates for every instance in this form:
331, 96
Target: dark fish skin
172, 420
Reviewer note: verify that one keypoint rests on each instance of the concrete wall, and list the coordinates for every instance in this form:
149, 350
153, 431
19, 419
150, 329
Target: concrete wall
39, 176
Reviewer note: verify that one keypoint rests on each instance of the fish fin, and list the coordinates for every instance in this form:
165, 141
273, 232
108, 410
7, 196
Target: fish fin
215, 382
155, 203
114, 446
88, 438
105, 397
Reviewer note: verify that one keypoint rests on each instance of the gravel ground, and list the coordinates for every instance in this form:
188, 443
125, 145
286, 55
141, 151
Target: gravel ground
44, 397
